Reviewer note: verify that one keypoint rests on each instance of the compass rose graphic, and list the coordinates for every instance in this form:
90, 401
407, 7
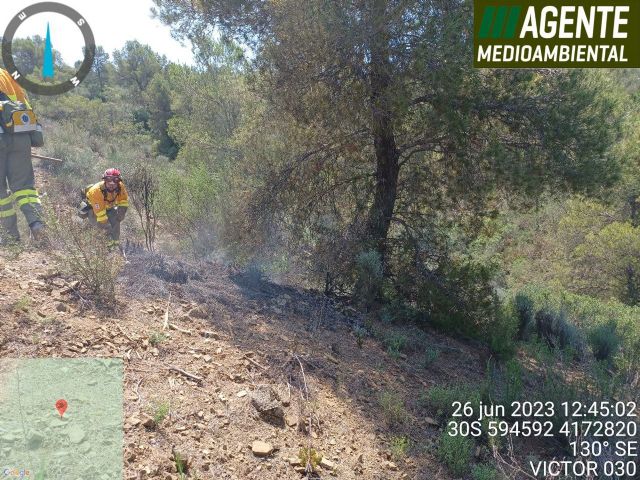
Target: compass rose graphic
48, 67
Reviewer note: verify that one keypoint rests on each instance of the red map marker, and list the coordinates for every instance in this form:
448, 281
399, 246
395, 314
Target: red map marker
61, 406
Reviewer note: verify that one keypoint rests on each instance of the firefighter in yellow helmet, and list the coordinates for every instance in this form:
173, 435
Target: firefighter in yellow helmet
19, 130
106, 204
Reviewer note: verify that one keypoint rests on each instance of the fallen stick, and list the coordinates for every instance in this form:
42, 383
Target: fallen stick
255, 363
136, 390
48, 159
175, 327
123, 332
191, 376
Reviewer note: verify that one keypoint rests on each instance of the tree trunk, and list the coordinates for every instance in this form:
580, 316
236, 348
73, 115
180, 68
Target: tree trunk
387, 155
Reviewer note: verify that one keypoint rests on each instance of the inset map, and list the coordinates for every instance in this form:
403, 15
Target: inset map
85, 442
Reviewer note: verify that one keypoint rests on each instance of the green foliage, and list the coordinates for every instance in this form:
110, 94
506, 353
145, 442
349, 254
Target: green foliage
136, 65
463, 301
188, 201
591, 315
557, 389
607, 263
360, 333
160, 412
456, 452
576, 244
604, 341
494, 442
484, 472
156, 338
398, 311
502, 334
399, 447
28, 54
555, 328
369, 278
441, 398
393, 408
337, 155
23, 304
157, 97
309, 457
395, 343
429, 356
503, 383
525, 312
181, 465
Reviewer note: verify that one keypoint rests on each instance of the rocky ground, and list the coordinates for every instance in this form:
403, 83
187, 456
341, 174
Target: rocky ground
233, 374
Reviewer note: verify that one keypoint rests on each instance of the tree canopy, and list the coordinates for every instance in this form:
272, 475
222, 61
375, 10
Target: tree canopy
392, 132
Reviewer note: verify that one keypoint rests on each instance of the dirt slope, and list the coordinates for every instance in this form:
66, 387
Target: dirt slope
273, 363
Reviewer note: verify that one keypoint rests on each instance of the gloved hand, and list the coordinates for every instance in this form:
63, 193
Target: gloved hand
120, 213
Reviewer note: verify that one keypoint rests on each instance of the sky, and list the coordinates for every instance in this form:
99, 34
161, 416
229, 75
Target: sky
113, 22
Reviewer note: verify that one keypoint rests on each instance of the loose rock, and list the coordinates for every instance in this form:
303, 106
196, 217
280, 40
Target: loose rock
327, 464
261, 449
266, 401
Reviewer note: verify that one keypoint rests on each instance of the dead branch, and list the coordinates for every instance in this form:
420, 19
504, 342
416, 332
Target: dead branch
123, 332
136, 390
175, 327
190, 376
255, 363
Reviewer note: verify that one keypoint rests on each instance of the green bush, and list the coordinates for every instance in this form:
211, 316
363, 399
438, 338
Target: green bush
502, 334
368, 278
503, 384
554, 328
604, 341
524, 309
397, 311
399, 447
156, 338
461, 299
456, 453
441, 399
309, 458
484, 472
360, 333
395, 343
557, 389
586, 314
159, 412
430, 355
393, 408
189, 201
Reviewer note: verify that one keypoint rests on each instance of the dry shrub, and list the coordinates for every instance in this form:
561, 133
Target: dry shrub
82, 251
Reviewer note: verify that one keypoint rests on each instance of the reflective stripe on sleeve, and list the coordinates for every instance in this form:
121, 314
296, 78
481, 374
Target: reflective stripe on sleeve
7, 213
